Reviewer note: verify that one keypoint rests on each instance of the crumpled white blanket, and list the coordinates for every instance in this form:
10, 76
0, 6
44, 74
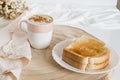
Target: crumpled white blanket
15, 51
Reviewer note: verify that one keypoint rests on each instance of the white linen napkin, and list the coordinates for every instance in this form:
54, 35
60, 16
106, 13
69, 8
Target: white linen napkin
15, 51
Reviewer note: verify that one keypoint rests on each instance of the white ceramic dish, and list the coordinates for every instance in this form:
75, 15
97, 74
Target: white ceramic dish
57, 56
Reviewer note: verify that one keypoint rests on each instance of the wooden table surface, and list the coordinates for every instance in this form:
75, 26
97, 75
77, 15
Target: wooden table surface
43, 67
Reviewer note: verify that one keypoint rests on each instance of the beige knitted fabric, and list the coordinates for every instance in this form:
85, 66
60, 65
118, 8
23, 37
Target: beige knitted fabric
15, 51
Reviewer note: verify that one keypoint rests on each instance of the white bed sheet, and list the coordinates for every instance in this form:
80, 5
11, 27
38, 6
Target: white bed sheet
90, 3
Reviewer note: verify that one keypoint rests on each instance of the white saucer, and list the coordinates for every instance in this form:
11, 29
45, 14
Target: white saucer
57, 56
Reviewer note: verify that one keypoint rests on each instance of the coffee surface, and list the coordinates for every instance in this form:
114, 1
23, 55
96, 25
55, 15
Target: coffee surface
41, 19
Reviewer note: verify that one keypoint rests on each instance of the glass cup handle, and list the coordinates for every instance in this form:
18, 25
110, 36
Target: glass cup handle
23, 27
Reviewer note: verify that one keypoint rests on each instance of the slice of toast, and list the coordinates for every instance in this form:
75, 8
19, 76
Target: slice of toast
86, 53
84, 66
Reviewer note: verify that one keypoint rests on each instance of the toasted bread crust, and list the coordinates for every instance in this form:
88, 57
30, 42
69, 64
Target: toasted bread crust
83, 66
76, 57
74, 63
97, 66
82, 59
85, 63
